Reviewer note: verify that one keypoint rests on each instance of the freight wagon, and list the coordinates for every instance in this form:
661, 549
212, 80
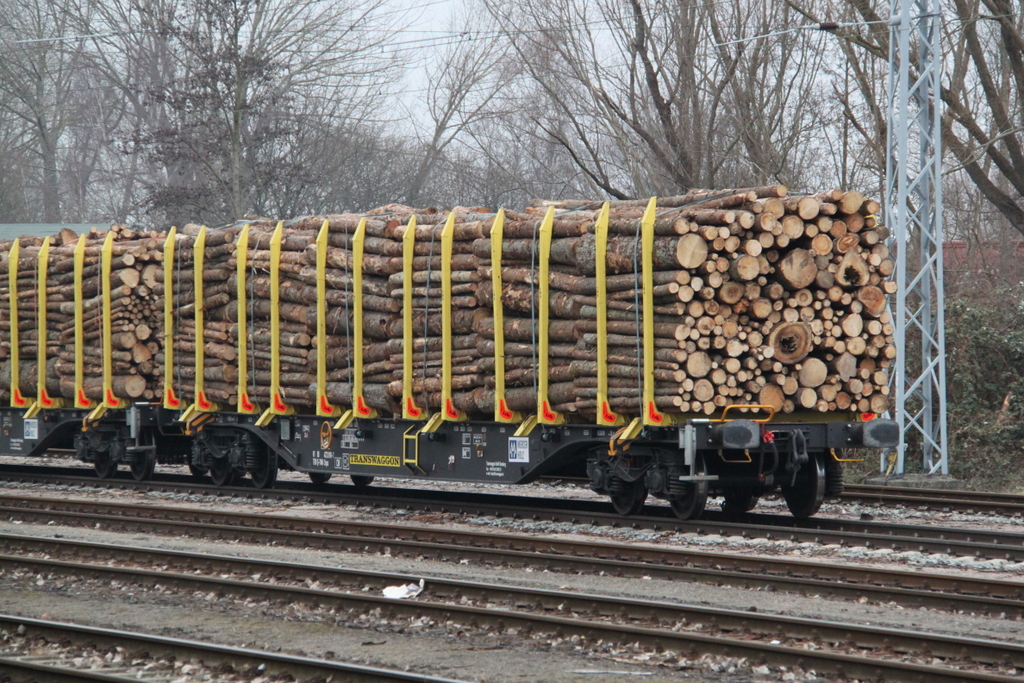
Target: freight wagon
739, 450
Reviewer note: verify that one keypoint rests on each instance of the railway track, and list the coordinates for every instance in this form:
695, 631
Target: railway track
931, 499
964, 501
908, 588
819, 530
36, 650
854, 650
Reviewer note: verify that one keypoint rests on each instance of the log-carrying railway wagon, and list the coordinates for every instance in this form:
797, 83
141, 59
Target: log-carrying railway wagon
629, 448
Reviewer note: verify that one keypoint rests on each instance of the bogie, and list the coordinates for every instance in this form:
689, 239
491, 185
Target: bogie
631, 476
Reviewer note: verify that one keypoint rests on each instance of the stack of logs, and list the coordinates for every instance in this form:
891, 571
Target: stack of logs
759, 298
383, 292
219, 298
136, 314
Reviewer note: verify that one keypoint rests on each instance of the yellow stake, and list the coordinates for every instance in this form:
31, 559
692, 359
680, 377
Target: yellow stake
171, 400
502, 413
359, 408
323, 405
43, 398
245, 404
17, 400
109, 399
202, 404
410, 411
545, 415
80, 400
358, 400
448, 409
605, 416
277, 404
652, 417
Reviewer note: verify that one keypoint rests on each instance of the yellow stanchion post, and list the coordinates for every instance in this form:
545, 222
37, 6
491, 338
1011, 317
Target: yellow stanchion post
545, 415
502, 413
410, 411
109, 401
277, 402
17, 400
652, 417
43, 398
171, 400
202, 403
323, 405
359, 407
245, 404
605, 416
80, 399
448, 410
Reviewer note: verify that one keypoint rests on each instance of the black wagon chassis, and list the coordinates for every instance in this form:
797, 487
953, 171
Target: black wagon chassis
741, 459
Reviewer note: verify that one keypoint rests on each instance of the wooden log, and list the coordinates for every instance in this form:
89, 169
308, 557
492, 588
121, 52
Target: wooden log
873, 299
216, 373
797, 269
852, 325
745, 268
812, 373
853, 271
791, 342
687, 251
221, 351
851, 202
665, 330
124, 386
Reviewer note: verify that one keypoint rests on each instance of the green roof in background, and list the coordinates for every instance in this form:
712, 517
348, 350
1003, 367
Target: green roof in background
10, 231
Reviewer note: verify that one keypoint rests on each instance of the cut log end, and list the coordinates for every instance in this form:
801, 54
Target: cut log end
791, 342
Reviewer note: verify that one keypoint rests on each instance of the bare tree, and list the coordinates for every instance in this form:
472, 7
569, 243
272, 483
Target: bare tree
983, 89
14, 160
213, 86
651, 96
36, 75
132, 58
462, 89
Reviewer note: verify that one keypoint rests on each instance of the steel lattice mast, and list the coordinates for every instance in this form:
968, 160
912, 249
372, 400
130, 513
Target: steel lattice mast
913, 186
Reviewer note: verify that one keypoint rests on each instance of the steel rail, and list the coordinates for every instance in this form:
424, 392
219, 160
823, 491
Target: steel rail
899, 537
910, 588
613, 620
977, 501
925, 538
301, 668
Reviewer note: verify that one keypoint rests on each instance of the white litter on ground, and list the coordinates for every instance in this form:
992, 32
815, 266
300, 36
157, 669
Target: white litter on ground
408, 590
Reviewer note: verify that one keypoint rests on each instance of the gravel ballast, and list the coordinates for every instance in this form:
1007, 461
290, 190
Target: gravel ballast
472, 656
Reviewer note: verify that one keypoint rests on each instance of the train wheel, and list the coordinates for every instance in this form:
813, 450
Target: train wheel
361, 480
145, 464
692, 502
804, 499
265, 473
143, 468
105, 466
319, 477
198, 473
222, 473
630, 500
739, 501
